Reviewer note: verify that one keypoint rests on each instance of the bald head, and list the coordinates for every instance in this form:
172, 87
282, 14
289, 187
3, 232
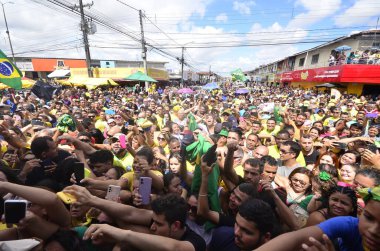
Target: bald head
260, 152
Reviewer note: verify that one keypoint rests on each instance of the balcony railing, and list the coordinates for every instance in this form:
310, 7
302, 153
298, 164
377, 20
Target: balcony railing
370, 61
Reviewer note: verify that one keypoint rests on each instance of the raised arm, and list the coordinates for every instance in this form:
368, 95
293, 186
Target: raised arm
292, 240
119, 212
283, 210
140, 241
86, 148
229, 171
54, 207
203, 205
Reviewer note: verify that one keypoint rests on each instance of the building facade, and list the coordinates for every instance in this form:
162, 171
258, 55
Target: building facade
35, 68
353, 62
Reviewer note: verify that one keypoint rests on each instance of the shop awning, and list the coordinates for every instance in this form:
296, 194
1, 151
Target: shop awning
89, 83
59, 74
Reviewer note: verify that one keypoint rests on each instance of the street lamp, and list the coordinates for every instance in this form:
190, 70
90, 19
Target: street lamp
6, 25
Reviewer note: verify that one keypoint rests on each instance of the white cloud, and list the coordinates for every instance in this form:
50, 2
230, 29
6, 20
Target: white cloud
360, 13
316, 10
221, 18
243, 7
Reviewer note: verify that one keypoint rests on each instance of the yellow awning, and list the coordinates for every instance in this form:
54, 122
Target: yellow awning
26, 84
89, 83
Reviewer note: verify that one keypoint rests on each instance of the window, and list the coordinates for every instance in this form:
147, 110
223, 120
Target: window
314, 59
376, 44
302, 62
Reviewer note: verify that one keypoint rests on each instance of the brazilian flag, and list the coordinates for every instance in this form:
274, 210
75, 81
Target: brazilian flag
194, 152
9, 74
192, 122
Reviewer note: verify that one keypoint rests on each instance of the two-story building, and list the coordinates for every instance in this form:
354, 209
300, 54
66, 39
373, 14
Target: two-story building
351, 62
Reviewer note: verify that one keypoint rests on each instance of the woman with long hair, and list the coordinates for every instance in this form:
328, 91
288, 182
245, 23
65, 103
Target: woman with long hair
341, 201
328, 158
177, 165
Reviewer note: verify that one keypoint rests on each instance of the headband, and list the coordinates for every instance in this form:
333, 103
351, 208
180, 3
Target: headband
370, 193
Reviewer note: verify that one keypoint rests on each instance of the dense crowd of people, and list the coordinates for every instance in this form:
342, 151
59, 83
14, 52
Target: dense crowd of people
355, 57
278, 168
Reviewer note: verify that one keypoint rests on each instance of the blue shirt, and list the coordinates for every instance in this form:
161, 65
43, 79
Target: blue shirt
223, 239
345, 229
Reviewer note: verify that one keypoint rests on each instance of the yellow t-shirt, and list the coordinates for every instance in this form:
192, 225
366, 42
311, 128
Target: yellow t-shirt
239, 171
190, 167
275, 153
129, 177
274, 132
316, 117
330, 121
101, 125
126, 162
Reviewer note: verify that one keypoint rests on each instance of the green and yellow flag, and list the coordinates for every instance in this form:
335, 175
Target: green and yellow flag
9, 74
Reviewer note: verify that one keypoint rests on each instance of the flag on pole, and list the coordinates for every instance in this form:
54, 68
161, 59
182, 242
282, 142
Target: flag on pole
10, 75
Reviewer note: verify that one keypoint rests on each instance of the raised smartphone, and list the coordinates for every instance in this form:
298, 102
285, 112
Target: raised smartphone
14, 210
145, 189
113, 192
79, 172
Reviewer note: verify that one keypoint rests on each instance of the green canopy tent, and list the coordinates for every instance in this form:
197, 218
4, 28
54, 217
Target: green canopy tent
141, 77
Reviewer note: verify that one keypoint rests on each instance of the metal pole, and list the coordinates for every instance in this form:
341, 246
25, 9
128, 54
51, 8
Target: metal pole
143, 54
9, 36
84, 29
182, 61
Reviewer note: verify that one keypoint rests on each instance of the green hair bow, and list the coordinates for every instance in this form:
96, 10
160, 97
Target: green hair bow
370, 193
324, 176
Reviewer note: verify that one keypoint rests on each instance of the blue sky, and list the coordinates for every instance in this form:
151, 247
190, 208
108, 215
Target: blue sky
41, 29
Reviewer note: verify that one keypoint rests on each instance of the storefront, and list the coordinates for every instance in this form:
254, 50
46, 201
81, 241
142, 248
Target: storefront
355, 78
119, 74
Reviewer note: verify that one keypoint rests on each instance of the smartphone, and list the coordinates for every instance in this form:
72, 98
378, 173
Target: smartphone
372, 148
46, 162
371, 115
113, 192
210, 156
145, 189
110, 112
36, 122
79, 172
14, 210
131, 122
340, 145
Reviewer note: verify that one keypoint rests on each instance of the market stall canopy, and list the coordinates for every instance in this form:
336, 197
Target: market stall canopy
140, 76
211, 86
27, 83
89, 83
185, 91
59, 74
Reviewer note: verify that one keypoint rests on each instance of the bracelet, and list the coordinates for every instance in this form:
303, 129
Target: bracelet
202, 195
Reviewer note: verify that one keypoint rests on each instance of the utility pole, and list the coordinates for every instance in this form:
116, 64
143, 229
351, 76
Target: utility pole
143, 47
209, 73
84, 28
182, 62
9, 36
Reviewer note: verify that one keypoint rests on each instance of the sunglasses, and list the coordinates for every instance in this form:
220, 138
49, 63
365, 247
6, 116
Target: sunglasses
160, 139
193, 209
301, 182
85, 140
